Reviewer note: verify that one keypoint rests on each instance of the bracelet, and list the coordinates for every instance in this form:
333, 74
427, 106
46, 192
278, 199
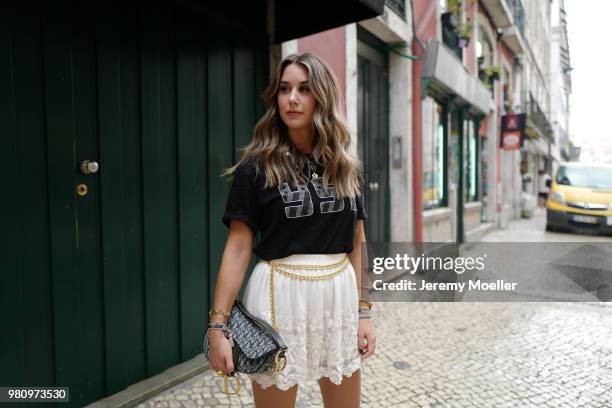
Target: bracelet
365, 302
217, 326
365, 314
222, 327
217, 311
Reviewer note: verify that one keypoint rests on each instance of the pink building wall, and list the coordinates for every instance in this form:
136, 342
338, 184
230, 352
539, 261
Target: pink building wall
470, 51
426, 18
506, 55
330, 46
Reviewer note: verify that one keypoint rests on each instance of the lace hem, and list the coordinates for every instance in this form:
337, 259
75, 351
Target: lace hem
325, 346
284, 382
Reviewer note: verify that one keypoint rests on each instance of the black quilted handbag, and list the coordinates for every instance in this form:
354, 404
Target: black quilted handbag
257, 346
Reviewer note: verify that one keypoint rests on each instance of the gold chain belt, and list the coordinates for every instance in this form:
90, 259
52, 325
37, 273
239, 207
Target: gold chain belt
281, 268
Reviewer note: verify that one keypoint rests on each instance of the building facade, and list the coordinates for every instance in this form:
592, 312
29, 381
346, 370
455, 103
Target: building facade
560, 82
535, 97
459, 117
488, 63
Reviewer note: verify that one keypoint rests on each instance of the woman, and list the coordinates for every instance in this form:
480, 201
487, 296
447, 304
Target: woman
299, 187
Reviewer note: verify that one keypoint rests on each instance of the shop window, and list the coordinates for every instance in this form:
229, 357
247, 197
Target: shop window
434, 164
472, 178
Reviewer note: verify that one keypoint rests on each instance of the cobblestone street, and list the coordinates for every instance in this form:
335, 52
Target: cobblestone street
465, 355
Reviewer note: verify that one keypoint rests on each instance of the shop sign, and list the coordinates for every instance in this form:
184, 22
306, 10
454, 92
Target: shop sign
512, 131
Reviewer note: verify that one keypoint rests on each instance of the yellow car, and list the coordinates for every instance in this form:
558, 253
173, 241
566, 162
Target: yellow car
580, 198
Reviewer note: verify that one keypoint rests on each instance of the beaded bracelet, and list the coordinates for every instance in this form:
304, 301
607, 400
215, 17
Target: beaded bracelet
222, 327
217, 311
217, 326
365, 314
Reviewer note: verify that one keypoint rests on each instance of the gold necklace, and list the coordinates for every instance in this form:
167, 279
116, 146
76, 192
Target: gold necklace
312, 167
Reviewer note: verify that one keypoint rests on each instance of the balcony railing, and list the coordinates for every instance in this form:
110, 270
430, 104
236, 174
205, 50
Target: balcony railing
518, 14
450, 38
537, 116
398, 6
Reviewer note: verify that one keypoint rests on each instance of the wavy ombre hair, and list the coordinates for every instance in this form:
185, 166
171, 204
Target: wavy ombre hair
273, 148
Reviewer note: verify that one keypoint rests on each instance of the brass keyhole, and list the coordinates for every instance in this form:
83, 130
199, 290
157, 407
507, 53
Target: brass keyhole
81, 190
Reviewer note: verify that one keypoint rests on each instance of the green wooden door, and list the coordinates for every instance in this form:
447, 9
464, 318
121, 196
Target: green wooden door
373, 133
103, 289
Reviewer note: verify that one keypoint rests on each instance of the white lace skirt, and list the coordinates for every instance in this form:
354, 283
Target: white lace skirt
318, 319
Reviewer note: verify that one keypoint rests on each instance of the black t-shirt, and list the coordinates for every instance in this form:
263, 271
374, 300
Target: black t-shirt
305, 219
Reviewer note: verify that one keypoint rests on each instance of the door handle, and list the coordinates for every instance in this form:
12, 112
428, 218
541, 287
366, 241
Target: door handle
89, 167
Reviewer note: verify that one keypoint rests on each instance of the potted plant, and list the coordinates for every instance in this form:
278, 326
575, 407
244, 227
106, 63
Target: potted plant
453, 13
455, 7
465, 33
492, 73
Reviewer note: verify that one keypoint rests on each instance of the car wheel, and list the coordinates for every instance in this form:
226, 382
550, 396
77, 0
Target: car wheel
549, 228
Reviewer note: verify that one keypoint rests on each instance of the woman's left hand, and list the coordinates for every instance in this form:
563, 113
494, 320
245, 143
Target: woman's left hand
366, 339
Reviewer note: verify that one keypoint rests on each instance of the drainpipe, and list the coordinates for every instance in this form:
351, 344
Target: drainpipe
417, 151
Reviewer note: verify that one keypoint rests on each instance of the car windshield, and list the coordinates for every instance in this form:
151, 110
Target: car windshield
585, 176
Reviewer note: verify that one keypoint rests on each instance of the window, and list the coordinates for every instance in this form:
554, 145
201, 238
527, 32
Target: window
434, 163
484, 55
588, 176
506, 90
472, 179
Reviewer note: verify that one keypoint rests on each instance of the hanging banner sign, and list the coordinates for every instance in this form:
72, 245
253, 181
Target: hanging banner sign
512, 131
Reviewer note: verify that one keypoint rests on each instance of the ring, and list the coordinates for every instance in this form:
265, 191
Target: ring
219, 372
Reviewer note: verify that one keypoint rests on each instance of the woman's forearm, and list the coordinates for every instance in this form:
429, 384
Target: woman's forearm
355, 258
234, 263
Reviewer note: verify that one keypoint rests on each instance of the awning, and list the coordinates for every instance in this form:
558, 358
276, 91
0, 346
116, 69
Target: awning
293, 20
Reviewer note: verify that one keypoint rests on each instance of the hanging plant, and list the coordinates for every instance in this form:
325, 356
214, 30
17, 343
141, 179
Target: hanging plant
492, 73
454, 7
452, 18
465, 31
452, 15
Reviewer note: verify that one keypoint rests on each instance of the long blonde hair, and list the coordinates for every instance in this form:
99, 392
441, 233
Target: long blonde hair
272, 147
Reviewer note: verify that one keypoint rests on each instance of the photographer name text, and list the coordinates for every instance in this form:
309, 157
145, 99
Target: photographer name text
407, 285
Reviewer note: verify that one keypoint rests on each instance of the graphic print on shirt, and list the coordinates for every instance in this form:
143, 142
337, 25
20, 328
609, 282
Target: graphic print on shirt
302, 195
327, 206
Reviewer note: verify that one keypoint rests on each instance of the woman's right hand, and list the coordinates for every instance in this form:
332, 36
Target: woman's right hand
220, 352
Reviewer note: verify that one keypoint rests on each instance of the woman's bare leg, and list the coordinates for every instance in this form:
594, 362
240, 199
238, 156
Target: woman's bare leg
347, 394
273, 397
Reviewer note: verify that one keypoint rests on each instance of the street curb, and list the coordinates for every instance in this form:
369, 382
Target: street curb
147, 389
476, 234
